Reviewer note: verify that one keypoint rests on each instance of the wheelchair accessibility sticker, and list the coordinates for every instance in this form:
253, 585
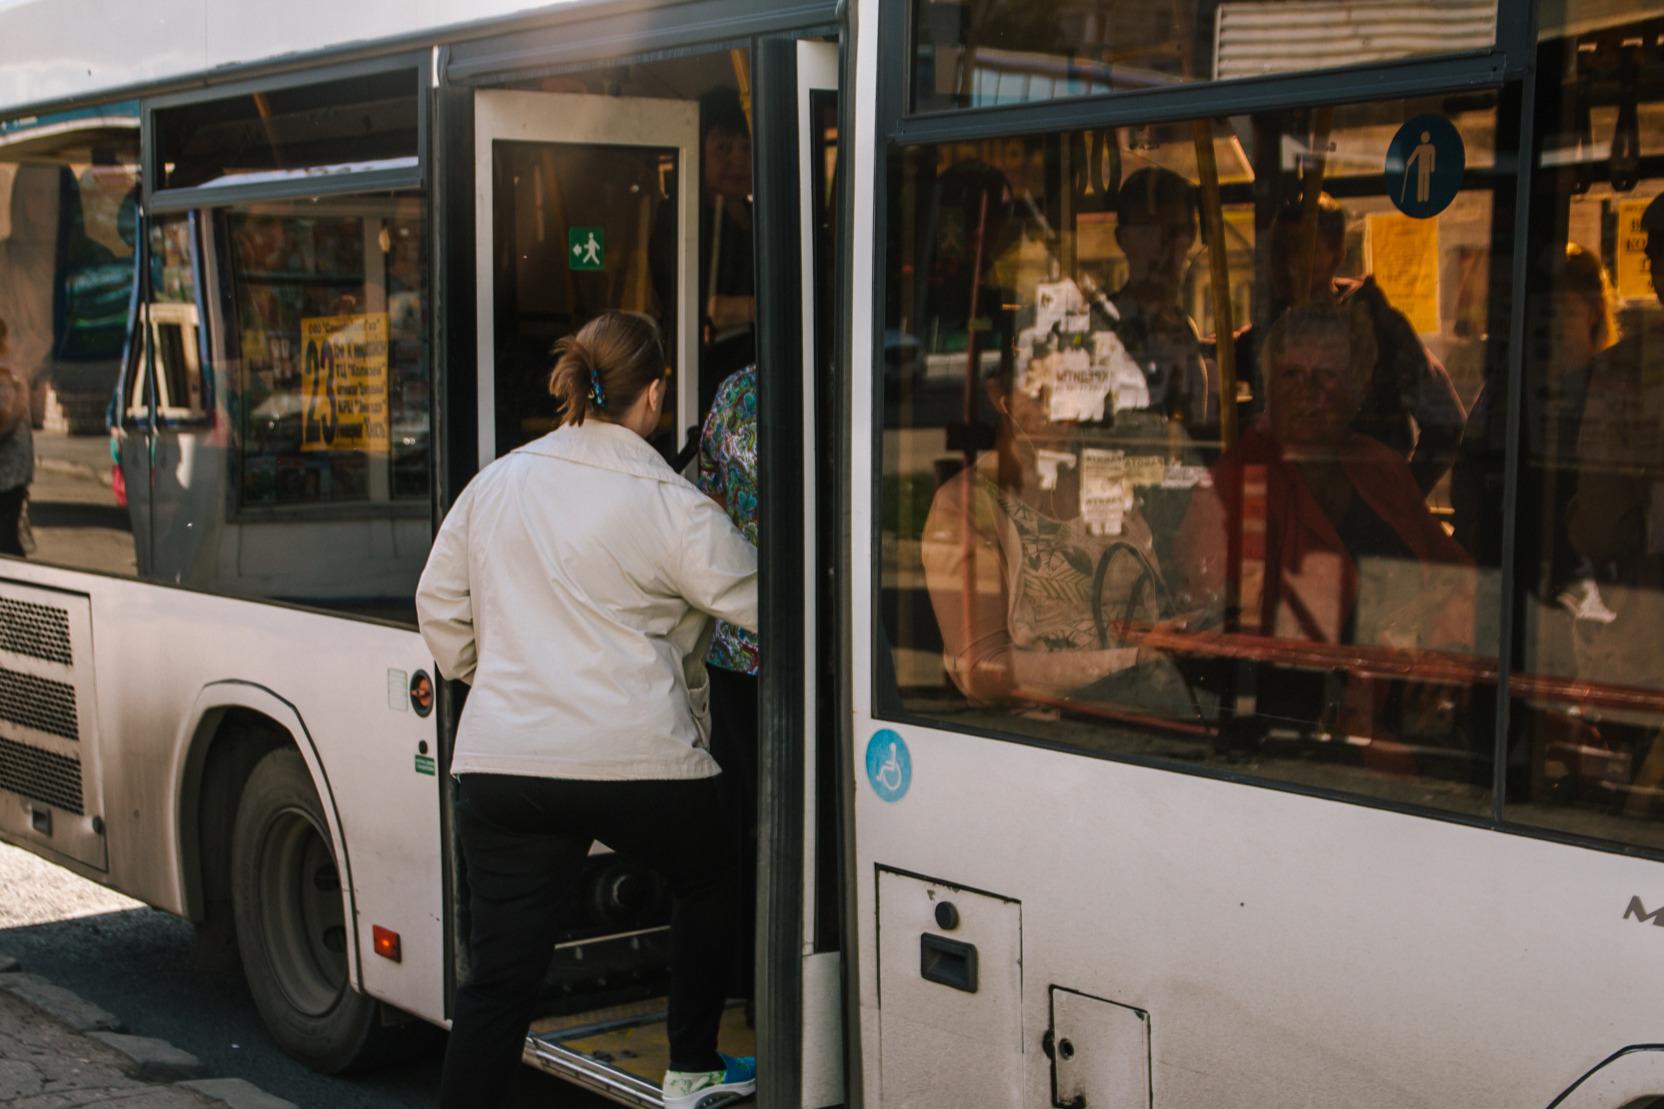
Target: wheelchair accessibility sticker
889, 766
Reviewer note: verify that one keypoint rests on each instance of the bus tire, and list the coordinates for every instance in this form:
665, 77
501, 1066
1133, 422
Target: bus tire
291, 928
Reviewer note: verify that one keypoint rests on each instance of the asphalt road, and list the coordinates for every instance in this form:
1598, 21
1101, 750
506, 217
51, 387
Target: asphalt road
136, 962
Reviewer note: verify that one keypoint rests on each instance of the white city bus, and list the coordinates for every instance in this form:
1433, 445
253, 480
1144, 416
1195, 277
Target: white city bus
1164, 702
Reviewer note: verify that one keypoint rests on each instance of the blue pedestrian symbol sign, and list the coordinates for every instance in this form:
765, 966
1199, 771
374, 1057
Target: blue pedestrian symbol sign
1425, 161
889, 766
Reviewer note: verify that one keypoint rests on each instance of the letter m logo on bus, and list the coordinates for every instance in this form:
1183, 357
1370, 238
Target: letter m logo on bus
1639, 912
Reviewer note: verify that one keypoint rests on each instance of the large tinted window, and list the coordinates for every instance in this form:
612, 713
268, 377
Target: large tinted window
68, 236
1170, 415
291, 377
317, 130
974, 53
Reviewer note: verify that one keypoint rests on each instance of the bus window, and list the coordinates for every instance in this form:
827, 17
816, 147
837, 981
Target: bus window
547, 189
367, 122
295, 466
1587, 745
68, 229
974, 54
1170, 413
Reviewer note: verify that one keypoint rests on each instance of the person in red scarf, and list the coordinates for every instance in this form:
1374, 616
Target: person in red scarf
1316, 533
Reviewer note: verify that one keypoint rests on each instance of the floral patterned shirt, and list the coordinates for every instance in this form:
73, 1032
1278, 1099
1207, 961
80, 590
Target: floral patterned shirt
728, 472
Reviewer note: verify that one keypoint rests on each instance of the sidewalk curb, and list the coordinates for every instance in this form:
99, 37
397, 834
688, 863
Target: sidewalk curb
59, 1004
237, 1093
153, 1060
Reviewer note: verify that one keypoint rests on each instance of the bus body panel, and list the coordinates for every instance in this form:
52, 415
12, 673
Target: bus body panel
185, 655
1289, 950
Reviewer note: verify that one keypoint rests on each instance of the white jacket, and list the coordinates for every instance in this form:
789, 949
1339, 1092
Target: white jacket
572, 586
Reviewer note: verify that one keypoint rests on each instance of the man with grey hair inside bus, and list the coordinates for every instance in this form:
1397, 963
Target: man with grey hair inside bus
1410, 403
1322, 529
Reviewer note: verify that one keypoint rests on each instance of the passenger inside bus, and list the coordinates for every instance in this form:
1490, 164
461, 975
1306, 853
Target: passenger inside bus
1155, 226
727, 473
1615, 519
1410, 404
1573, 318
727, 281
1349, 551
1011, 562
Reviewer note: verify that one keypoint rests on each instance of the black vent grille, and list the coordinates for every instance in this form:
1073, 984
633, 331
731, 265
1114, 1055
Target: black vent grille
39, 631
41, 776
38, 703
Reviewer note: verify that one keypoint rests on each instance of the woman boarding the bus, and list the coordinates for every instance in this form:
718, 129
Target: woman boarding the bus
570, 586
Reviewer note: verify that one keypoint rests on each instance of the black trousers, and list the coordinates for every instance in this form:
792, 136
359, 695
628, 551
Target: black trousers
734, 745
11, 508
523, 842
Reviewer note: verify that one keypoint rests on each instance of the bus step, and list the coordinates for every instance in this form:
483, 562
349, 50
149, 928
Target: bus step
592, 1074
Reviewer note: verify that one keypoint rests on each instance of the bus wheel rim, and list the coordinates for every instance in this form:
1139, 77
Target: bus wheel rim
300, 906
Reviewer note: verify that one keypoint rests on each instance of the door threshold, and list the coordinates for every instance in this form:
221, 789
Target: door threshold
592, 1074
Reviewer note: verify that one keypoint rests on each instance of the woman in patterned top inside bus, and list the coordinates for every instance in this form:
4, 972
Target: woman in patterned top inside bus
728, 473
571, 585
1011, 564
17, 452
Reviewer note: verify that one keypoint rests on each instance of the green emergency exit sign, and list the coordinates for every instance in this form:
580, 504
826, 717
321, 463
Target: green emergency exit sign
586, 248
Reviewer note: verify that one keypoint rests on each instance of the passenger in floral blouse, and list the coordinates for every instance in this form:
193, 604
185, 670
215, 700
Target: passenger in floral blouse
728, 473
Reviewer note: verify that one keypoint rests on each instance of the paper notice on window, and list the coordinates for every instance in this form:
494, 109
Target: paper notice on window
1404, 260
1146, 469
1037, 375
1181, 476
343, 383
1105, 495
1634, 272
1079, 388
1056, 302
1127, 384
1048, 462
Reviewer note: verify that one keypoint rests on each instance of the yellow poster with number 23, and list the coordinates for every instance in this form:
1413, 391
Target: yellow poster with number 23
343, 383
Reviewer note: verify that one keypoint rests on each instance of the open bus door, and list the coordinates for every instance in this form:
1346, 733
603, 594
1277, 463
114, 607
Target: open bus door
584, 203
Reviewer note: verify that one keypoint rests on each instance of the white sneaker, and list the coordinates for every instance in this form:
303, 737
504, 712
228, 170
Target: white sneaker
709, 1089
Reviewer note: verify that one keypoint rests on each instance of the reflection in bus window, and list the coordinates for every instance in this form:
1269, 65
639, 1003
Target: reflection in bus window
973, 53
1408, 401
1311, 530
1587, 748
68, 230
1104, 528
366, 122
727, 284
291, 446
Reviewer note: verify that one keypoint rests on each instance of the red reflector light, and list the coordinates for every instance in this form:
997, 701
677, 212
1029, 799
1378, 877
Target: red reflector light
387, 943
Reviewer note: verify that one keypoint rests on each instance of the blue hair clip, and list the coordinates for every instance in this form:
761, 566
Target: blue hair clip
596, 393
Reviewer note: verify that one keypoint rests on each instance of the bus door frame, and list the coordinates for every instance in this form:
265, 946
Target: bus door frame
787, 939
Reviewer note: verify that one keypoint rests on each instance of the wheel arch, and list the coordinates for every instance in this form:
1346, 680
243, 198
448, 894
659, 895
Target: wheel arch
230, 727
1632, 1075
